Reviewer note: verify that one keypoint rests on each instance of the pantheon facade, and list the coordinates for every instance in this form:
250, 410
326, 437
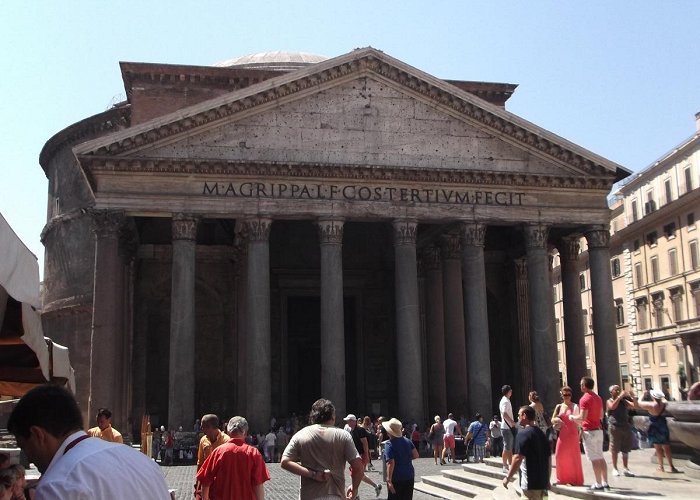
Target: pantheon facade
248, 237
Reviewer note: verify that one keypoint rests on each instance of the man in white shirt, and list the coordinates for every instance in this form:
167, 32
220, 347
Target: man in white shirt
47, 424
508, 428
269, 443
451, 427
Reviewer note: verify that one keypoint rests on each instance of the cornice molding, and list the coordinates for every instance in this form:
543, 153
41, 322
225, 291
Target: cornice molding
359, 63
54, 222
261, 169
112, 120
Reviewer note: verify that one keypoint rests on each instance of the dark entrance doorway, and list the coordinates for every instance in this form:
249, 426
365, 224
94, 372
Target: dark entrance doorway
303, 353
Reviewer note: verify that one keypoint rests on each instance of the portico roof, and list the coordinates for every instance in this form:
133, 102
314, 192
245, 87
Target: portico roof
366, 61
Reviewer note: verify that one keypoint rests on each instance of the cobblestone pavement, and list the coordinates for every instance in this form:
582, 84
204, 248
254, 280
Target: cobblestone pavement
285, 486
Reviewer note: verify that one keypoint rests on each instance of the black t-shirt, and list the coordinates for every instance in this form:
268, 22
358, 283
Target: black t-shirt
357, 434
534, 446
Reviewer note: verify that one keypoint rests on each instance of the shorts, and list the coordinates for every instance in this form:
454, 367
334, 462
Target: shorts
593, 444
508, 439
620, 439
449, 440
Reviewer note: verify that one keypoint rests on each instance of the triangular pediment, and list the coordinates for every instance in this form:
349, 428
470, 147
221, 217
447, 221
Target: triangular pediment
364, 109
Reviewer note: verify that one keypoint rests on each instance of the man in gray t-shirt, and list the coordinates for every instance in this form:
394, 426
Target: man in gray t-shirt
318, 454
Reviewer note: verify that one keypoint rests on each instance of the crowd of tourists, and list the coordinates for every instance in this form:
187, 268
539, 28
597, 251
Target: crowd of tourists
232, 461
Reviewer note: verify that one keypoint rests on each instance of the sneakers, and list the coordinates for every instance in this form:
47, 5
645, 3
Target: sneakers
616, 473
606, 486
378, 490
597, 487
505, 470
628, 473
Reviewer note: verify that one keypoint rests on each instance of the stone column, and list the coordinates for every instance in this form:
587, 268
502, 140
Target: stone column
106, 342
523, 307
128, 249
543, 339
241, 253
435, 326
455, 340
574, 341
477, 319
332, 313
258, 344
607, 361
182, 324
408, 344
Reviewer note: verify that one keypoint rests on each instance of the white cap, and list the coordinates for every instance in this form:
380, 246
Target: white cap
349, 418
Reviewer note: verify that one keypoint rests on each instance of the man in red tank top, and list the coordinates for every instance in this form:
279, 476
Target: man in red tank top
591, 418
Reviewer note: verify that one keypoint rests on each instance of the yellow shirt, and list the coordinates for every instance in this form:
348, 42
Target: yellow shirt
206, 446
109, 434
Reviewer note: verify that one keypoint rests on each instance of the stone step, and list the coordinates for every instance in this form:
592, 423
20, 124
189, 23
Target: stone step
484, 470
438, 492
473, 478
494, 462
462, 489
586, 493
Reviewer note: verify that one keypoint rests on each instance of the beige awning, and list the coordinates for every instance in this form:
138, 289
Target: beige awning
27, 358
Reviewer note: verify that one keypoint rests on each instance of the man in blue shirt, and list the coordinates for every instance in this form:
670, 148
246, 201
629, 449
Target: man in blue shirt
478, 432
399, 454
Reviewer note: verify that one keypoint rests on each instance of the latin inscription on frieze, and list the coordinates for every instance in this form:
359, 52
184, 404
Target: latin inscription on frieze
351, 192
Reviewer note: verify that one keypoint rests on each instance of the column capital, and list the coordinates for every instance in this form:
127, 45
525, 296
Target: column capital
257, 228
536, 235
405, 232
474, 234
569, 248
598, 237
184, 226
431, 258
330, 231
451, 246
520, 269
106, 223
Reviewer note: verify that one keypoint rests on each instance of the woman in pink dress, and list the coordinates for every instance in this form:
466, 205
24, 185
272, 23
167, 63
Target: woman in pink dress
568, 454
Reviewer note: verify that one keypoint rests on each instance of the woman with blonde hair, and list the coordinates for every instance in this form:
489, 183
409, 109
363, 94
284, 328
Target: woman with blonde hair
435, 436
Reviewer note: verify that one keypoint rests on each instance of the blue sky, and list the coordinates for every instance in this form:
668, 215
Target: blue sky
618, 78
